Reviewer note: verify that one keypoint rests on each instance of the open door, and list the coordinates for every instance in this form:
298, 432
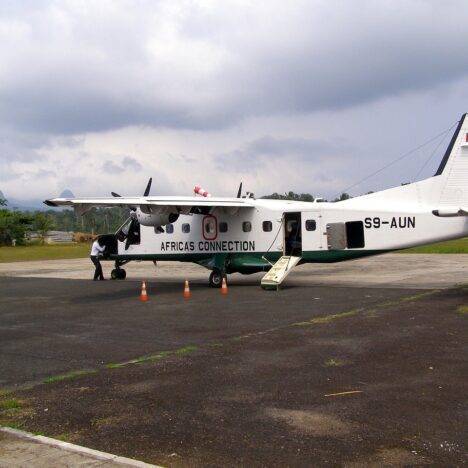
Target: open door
292, 234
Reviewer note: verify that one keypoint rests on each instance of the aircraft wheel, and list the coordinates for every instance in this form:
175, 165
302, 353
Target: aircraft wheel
118, 274
216, 278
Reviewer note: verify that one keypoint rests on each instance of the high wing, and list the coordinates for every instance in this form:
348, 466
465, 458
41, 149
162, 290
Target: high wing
179, 203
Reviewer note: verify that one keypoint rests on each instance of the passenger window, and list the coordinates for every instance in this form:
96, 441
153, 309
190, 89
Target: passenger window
311, 225
223, 226
267, 226
186, 228
246, 226
169, 228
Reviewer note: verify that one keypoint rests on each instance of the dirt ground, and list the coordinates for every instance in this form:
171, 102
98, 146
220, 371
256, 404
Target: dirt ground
307, 376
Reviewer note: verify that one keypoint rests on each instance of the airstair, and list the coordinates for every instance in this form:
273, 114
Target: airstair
279, 271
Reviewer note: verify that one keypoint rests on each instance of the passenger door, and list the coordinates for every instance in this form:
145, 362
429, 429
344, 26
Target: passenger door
292, 234
312, 235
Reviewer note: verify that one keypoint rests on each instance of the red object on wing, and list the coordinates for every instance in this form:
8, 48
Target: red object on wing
199, 191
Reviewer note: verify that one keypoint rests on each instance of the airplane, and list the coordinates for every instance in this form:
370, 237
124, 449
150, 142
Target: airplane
246, 235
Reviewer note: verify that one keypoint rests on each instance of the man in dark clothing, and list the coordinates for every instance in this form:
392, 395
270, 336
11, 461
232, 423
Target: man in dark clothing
96, 251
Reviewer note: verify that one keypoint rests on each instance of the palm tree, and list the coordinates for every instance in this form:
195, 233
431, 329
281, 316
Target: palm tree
42, 223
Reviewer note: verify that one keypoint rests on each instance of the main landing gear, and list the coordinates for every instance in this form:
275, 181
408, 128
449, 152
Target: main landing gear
216, 278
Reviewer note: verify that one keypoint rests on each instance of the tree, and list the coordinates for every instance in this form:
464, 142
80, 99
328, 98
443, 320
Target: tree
13, 226
3, 202
343, 196
307, 197
42, 223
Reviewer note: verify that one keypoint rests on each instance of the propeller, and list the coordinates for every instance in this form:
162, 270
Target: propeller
145, 193
239, 191
148, 187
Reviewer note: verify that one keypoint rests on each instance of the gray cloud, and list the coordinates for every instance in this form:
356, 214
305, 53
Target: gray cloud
127, 164
303, 95
112, 168
267, 149
19, 146
131, 163
67, 69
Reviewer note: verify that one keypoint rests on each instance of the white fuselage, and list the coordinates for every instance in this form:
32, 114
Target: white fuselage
395, 226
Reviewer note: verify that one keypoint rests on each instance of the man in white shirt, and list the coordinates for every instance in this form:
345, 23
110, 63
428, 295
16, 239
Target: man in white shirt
96, 251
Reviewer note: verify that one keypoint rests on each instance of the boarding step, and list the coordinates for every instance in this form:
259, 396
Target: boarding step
279, 271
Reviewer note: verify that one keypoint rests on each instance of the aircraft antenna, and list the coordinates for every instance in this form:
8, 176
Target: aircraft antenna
405, 155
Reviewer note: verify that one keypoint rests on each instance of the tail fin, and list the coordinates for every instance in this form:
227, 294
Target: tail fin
453, 146
453, 169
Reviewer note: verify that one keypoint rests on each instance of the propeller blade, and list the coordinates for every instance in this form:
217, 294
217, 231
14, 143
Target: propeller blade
148, 187
116, 195
239, 192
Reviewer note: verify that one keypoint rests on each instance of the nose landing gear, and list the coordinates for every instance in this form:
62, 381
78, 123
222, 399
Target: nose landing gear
119, 273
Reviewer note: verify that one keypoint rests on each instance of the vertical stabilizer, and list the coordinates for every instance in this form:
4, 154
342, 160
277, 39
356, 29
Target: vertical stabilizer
453, 169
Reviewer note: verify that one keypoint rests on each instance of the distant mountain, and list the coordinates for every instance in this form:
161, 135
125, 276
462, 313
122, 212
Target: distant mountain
67, 193
22, 205
25, 205
32, 204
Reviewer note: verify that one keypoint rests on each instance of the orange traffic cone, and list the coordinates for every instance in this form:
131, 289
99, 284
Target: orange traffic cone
187, 292
224, 289
143, 295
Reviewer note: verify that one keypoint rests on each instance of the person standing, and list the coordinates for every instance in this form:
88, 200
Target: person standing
96, 250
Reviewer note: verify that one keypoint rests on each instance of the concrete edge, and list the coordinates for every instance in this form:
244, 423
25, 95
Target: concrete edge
67, 446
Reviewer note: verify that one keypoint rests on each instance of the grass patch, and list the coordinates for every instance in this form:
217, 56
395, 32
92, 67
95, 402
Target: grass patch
153, 357
327, 318
13, 425
334, 363
26, 253
414, 297
186, 350
139, 360
10, 404
62, 437
68, 376
456, 246
463, 310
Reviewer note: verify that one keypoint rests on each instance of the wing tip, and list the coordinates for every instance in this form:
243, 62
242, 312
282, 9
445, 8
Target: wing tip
49, 203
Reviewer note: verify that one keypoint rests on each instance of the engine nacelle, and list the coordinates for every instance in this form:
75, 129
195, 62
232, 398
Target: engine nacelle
156, 219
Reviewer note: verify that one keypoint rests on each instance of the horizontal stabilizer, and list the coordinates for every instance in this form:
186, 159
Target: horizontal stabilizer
448, 212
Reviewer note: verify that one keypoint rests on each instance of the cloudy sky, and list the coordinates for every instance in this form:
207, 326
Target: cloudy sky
309, 96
